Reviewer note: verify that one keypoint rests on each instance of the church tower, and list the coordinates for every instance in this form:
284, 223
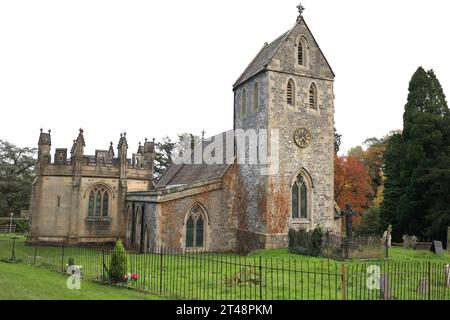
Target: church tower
287, 90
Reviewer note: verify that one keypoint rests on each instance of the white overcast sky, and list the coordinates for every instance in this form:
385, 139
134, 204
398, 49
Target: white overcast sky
156, 68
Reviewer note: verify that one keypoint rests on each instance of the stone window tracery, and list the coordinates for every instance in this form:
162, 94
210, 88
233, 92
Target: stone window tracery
98, 205
300, 198
195, 228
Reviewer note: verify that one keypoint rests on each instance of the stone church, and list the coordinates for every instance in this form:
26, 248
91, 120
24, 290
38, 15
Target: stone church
286, 90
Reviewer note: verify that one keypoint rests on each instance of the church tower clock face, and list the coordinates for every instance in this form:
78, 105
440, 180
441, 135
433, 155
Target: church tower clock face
302, 137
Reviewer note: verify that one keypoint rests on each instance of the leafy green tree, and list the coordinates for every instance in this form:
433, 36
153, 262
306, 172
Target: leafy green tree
167, 150
370, 224
163, 156
416, 172
17, 171
393, 186
118, 263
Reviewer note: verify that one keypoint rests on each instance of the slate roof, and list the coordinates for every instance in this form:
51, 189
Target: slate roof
262, 59
265, 55
185, 174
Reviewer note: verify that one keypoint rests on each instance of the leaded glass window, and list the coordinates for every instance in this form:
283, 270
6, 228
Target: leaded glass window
195, 228
105, 204
295, 201
303, 201
91, 204
190, 232
199, 232
98, 204
300, 198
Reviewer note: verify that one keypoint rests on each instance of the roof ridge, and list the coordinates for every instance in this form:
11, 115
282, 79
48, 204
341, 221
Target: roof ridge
285, 35
254, 58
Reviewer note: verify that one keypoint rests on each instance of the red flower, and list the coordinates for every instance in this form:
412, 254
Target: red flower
134, 276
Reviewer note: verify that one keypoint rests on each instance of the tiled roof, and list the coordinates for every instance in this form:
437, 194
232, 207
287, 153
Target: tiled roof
185, 174
262, 59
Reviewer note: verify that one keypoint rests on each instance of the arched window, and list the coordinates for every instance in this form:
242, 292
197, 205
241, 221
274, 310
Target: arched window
190, 232
255, 97
105, 204
313, 96
98, 204
300, 198
302, 51
195, 228
290, 93
91, 204
244, 103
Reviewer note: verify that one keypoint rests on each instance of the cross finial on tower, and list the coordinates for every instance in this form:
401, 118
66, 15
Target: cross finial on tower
203, 134
300, 8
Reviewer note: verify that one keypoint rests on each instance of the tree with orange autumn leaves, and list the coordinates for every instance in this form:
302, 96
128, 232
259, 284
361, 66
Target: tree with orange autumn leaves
352, 183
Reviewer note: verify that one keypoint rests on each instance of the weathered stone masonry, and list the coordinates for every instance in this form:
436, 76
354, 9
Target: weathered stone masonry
213, 207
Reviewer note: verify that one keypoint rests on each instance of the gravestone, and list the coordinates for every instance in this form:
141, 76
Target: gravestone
407, 242
348, 213
423, 286
387, 237
385, 290
414, 242
437, 247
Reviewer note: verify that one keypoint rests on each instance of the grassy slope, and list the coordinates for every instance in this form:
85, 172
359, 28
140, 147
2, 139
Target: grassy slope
22, 282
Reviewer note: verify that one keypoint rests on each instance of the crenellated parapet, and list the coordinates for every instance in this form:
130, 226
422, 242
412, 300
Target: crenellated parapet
103, 163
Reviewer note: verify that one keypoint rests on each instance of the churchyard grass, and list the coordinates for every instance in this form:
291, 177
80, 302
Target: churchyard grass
267, 274
24, 282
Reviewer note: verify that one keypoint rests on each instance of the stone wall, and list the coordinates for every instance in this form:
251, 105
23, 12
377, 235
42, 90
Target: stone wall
265, 210
68, 222
166, 212
317, 160
251, 189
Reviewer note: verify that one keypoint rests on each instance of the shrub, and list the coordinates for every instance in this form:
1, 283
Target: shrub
22, 226
305, 242
118, 263
316, 242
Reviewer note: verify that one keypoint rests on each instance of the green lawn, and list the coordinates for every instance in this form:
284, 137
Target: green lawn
23, 282
396, 254
268, 274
